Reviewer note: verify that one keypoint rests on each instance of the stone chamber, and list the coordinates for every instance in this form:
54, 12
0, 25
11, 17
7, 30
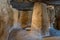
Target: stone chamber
29, 19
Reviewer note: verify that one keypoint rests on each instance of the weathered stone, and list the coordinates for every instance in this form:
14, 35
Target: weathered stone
24, 18
45, 21
57, 16
15, 17
37, 20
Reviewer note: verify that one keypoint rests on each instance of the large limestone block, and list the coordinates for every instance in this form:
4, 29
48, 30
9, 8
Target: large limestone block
24, 18
45, 21
36, 24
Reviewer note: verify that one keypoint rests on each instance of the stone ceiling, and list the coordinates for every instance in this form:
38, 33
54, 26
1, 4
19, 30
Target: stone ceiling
28, 4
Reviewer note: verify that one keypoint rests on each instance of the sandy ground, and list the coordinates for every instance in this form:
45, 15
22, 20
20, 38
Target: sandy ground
23, 35
20, 34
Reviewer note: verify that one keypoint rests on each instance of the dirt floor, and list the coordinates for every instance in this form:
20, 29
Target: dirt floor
17, 33
20, 34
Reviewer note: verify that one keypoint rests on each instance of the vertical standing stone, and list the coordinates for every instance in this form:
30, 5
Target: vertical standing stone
57, 16
19, 16
40, 20
29, 18
3, 24
37, 20
23, 18
4, 17
10, 14
45, 21
51, 12
15, 16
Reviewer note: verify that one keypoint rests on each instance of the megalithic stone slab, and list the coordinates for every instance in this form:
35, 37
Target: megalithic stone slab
36, 24
24, 18
22, 5
45, 21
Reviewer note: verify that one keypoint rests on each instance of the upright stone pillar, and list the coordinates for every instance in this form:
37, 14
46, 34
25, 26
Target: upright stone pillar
51, 12
23, 18
57, 17
45, 21
10, 14
37, 20
4, 17
15, 17
40, 20
29, 18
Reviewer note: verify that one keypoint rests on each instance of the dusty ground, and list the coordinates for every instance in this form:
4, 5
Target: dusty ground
20, 34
